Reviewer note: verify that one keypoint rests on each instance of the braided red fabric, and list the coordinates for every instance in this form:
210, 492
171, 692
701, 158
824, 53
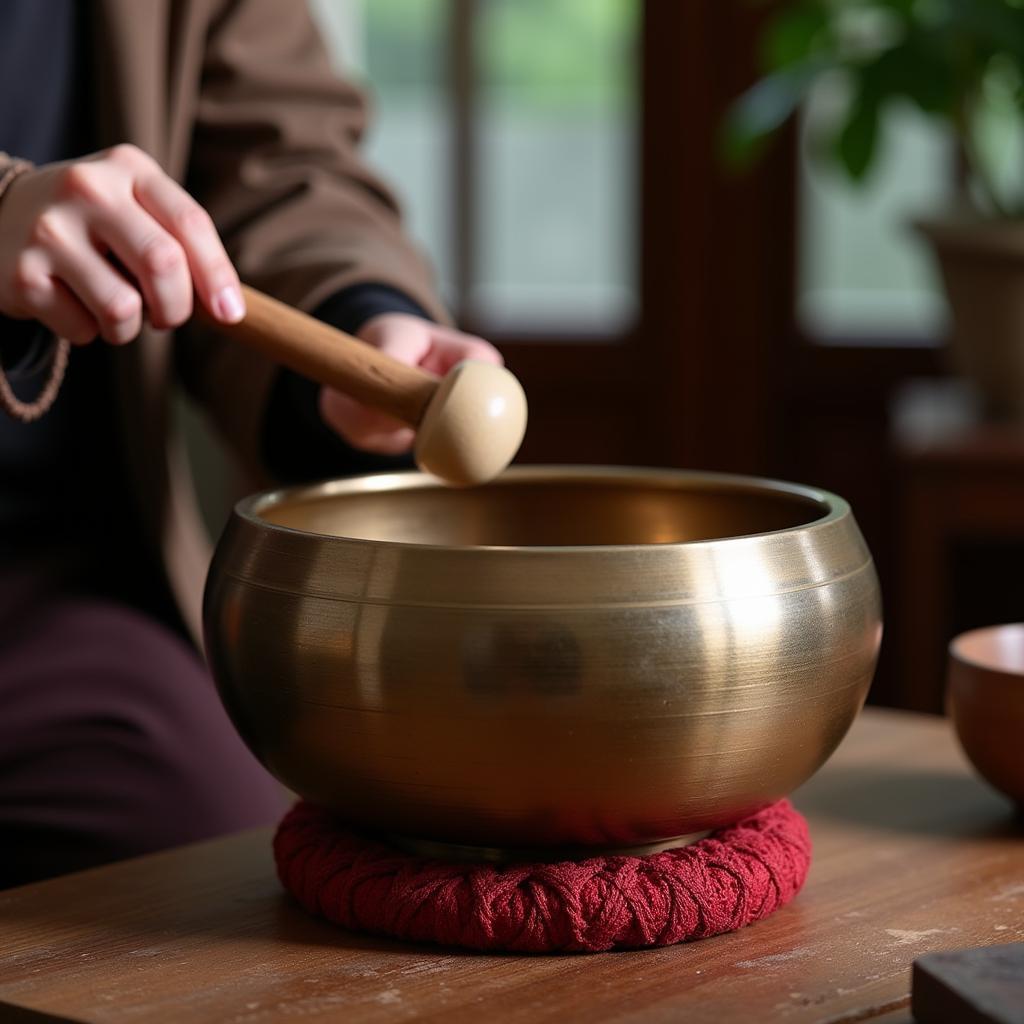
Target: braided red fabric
739, 874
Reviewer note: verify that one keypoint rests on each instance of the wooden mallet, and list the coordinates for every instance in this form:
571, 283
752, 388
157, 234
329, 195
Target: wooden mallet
469, 424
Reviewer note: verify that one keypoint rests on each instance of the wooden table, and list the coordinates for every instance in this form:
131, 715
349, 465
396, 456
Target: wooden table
912, 854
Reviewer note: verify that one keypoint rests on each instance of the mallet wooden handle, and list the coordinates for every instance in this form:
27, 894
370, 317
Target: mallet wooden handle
331, 357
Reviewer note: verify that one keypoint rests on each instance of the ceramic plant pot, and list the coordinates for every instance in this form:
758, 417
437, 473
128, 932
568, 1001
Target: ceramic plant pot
982, 267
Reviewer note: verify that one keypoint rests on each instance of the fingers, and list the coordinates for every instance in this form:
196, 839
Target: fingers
215, 280
112, 301
50, 302
154, 258
91, 243
363, 427
416, 342
403, 337
448, 347
473, 346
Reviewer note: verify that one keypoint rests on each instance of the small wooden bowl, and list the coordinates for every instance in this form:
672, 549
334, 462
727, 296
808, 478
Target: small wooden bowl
986, 698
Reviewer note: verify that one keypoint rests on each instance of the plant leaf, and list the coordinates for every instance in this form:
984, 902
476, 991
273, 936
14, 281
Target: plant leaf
794, 35
904, 8
763, 109
997, 25
918, 68
855, 146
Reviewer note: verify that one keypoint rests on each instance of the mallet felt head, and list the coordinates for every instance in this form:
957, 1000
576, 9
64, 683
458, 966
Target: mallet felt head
473, 426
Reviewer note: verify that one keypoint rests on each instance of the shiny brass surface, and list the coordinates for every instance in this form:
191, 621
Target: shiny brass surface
567, 657
986, 698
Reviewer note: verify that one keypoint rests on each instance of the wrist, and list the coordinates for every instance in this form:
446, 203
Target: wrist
11, 167
354, 307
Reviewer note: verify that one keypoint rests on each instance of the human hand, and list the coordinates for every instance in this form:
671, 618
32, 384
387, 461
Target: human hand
87, 245
416, 342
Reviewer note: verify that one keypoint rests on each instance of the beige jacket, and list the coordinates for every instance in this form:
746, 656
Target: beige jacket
237, 100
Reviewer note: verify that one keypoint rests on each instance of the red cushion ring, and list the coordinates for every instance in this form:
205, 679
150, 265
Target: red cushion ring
735, 876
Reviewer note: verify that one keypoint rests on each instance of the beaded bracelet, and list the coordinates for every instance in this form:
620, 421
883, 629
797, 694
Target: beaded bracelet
26, 412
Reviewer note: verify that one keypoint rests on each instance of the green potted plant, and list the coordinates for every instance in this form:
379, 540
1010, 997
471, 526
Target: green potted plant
958, 61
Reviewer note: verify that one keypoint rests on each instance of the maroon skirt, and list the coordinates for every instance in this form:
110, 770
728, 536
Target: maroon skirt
113, 741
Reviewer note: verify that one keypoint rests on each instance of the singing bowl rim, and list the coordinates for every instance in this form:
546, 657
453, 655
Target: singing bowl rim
835, 509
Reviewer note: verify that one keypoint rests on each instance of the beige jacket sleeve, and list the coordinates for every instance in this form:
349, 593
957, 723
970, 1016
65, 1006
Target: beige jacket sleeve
274, 160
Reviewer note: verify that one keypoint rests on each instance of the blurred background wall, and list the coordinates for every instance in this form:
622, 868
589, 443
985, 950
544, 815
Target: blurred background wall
560, 160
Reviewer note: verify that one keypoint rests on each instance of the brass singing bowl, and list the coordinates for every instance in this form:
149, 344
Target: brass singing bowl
564, 659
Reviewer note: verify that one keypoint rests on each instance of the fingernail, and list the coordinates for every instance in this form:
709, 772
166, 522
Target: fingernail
228, 305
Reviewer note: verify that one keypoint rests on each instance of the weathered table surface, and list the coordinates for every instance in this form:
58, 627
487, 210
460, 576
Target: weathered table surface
912, 854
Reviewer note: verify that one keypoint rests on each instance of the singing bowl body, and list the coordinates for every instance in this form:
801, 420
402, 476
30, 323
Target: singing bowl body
565, 658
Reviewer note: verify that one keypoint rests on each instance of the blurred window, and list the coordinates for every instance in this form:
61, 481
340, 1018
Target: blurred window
519, 175
556, 203
401, 47
864, 276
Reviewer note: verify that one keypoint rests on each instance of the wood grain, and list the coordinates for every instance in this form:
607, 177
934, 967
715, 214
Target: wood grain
912, 854
329, 356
